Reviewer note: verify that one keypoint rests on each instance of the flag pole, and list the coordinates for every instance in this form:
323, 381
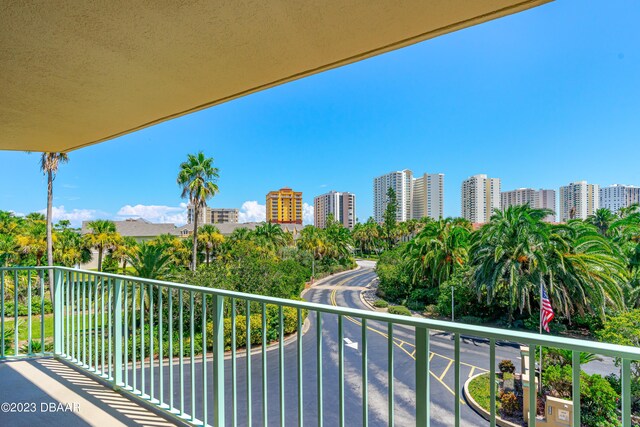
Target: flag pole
541, 292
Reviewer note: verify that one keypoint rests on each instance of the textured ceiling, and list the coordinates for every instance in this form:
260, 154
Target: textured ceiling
75, 73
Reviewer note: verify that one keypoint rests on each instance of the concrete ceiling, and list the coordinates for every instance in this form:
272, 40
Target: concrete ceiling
74, 73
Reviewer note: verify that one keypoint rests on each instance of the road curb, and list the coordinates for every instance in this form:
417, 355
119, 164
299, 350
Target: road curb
479, 409
331, 276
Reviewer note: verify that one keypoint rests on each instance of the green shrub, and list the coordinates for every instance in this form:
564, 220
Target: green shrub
598, 402
509, 403
507, 366
399, 309
592, 323
557, 380
616, 384
380, 303
431, 310
395, 282
23, 309
471, 320
36, 347
290, 325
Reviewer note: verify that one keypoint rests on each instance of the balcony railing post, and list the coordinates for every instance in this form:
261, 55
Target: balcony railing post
218, 361
57, 310
117, 332
625, 377
422, 378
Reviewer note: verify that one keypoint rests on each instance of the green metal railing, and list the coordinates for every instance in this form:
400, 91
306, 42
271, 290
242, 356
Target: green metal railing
127, 330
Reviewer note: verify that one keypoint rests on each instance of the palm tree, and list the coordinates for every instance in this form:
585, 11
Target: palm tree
624, 212
270, 235
197, 177
49, 163
240, 233
70, 249
585, 270
150, 261
124, 249
32, 241
507, 255
313, 239
103, 236
438, 251
602, 219
8, 249
211, 239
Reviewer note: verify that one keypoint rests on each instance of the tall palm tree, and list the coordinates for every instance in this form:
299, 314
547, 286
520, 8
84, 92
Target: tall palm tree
49, 163
103, 236
197, 178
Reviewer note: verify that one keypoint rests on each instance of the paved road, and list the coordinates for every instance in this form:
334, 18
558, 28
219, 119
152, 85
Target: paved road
343, 290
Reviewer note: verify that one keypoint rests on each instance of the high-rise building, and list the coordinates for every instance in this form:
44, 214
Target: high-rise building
538, 199
619, 196
480, 195
209, 215
284, 206
341, 205
402, 183
578, 200
428, 196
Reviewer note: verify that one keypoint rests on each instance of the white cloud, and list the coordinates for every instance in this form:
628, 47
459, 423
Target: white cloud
75, 216
155, 213
307, 214
252, 211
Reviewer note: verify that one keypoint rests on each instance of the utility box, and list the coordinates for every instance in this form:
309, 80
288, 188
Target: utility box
558, 412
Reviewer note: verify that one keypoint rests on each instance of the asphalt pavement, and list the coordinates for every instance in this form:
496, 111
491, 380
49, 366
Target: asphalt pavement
342, 290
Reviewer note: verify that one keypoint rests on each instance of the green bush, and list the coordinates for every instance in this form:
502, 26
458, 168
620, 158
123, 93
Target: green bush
23, 309
380, 303
592, 323
290, 325
36, 347
471, 320
598, 402
399, 309
598, 399
616, 384
507, 366
557, 380
395, 283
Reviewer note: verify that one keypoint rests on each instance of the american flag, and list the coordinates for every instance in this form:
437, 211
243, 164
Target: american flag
546, 311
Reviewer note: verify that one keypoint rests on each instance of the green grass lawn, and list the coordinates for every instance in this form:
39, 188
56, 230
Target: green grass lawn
23, 326
479, 388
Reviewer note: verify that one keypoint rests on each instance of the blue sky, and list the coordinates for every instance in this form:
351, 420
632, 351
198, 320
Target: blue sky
538, 99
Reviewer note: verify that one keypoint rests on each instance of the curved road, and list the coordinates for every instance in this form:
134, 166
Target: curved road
342, 290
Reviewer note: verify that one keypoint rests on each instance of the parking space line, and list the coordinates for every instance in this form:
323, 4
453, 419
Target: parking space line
445, 370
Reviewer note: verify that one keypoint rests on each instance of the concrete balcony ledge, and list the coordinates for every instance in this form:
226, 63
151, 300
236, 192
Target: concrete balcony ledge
46, 391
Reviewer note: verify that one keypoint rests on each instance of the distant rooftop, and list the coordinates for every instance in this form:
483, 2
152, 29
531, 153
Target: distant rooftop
138, 227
